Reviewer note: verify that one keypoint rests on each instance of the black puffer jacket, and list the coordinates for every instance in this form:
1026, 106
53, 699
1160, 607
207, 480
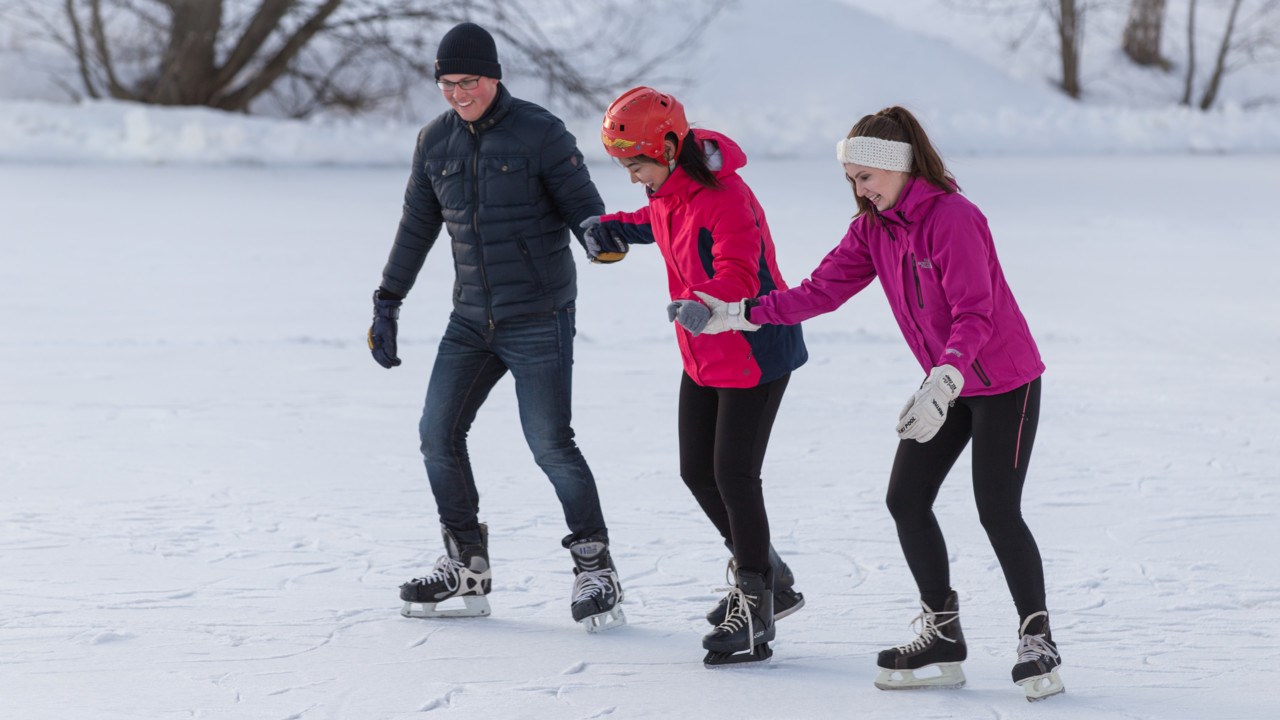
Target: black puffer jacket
509, 186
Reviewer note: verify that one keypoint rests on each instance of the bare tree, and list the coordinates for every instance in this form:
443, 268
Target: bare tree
349, 54
1191, 53
1068, 17
1220, 64
1251, 38
1142, 30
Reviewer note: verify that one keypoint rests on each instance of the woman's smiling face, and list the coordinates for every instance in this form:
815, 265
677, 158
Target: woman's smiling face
881, 188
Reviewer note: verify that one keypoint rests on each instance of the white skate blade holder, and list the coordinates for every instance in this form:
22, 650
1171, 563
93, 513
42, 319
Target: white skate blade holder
949, 676
1043, 686
604, 621
473, 606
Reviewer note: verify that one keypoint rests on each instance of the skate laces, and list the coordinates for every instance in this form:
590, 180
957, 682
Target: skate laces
928, 625
590, 584
738, 613
446, 571
1032, 648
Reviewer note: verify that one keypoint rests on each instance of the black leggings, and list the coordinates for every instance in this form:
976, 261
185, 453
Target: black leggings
1003, 429
723, 436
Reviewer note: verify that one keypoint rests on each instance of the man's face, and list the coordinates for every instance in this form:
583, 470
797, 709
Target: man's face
469, 95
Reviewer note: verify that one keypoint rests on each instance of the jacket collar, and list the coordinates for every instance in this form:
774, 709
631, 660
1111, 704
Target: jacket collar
498, 110
913, 204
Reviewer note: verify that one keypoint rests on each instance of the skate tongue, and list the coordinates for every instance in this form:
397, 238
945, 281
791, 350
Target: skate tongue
588, 554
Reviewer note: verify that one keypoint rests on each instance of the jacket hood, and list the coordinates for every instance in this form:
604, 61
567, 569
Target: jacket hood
917, 197
724, 156
732, 156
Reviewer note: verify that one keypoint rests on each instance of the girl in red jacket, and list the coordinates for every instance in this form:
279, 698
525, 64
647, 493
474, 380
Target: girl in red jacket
714, 238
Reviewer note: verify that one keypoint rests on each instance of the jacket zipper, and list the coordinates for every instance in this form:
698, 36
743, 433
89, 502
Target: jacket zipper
982, 375
475, 222
915, 273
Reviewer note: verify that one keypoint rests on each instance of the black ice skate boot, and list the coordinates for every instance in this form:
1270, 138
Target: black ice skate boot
747, 629
596, 589
463, 572
1037, 668
785, 599
940, 645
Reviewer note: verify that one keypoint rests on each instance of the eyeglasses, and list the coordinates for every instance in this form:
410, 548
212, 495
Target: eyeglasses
466, 84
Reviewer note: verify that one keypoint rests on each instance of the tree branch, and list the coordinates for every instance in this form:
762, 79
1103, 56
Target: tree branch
264, 22
240, 98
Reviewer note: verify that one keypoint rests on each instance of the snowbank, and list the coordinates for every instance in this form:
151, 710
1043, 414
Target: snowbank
785, 80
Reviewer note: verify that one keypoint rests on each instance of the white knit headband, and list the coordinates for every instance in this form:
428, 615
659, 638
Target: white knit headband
876, 153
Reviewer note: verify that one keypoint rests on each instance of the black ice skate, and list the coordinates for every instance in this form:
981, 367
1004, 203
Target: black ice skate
747, 629
463, 572
940, 645
785, 599
596, 590
1038, 659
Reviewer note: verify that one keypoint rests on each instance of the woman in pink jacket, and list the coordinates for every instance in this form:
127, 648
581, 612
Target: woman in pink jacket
932, 251
714, 238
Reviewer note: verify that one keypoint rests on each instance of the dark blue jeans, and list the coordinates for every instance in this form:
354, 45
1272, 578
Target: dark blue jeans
538, 351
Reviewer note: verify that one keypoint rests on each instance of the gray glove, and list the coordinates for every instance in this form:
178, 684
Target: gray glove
691, 314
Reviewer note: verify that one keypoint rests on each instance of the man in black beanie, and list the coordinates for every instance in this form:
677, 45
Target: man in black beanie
507, 180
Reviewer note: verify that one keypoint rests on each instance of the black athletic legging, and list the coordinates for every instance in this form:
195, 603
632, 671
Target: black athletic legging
1003, 429
723, 436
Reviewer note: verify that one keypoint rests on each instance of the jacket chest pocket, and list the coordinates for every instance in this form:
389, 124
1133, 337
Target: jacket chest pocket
505, 181
450, 183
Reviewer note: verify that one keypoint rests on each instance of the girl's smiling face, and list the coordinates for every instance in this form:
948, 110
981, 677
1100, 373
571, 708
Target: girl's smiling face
881, 188
649, 172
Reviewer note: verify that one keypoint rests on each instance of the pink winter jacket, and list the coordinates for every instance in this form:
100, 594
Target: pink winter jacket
935, 259
717, 241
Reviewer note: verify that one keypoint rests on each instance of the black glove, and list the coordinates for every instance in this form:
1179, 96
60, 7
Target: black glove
603, 243
382, 334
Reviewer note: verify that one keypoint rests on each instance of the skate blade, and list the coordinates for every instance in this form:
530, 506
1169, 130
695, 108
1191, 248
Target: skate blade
604, 621
474, 606
760, 653
950, 677
1043, 686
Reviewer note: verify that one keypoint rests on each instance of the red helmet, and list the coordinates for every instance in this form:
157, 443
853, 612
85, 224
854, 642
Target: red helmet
639, 120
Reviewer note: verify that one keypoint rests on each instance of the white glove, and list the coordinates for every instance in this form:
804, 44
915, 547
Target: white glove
924, 413
726, 315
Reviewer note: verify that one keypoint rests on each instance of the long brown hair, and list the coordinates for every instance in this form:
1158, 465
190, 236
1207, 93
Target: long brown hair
897, 123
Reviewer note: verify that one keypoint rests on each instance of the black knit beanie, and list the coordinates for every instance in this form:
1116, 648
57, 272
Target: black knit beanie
468, 49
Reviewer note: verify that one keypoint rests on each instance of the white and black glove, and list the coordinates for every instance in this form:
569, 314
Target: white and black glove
924, 413
726, 315
603, 246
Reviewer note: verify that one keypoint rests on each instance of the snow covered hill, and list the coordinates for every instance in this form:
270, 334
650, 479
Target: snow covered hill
785, 79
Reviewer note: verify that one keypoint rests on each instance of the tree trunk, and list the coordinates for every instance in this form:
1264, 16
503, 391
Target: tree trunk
1191, 53
189, 62
1142, 33
1220, 65
1070, 34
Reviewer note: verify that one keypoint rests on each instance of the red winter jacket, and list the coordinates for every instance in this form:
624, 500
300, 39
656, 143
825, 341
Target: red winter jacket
717, 241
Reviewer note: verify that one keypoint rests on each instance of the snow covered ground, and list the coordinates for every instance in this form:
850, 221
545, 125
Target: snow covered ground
213, 492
